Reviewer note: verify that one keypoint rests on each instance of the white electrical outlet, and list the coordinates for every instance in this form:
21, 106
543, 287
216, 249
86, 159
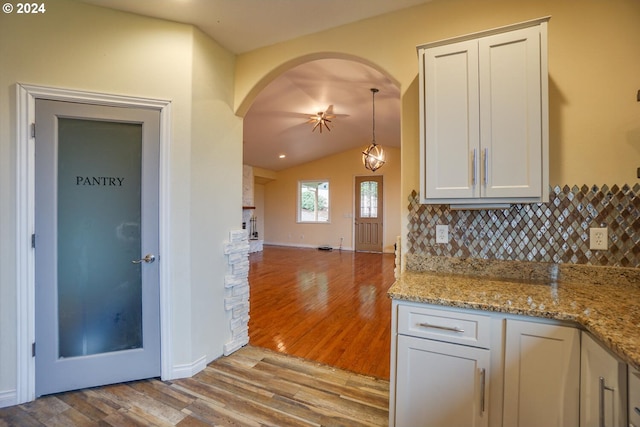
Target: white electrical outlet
598, 238
442, 234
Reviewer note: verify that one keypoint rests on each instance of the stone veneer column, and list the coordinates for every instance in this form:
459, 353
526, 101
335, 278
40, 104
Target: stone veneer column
236, 285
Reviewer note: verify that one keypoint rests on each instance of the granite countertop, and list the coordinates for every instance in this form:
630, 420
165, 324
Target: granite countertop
606, 302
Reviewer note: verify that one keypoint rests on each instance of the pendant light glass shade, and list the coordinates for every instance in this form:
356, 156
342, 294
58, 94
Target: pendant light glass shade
373, 156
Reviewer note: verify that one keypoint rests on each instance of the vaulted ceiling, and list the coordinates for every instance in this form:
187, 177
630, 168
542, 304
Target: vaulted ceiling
278, 121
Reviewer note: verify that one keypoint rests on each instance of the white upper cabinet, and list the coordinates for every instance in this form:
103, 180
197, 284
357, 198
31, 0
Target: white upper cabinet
484, 117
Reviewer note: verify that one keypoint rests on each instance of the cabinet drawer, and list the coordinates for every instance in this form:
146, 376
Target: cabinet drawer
443, 325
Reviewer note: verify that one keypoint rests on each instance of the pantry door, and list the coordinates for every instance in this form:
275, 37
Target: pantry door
368, 219
97, 294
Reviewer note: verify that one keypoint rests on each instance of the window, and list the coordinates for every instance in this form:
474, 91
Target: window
369, 199
313, 201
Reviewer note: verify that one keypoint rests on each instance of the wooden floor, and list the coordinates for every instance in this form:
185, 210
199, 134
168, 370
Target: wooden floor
253, 387
327, 306
326, 315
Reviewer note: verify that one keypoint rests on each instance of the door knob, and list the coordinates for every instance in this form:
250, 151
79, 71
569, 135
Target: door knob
148, 258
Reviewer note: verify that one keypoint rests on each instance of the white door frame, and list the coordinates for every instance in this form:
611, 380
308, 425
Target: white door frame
25, 221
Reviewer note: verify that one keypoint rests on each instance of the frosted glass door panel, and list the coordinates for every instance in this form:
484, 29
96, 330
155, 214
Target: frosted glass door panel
99, 211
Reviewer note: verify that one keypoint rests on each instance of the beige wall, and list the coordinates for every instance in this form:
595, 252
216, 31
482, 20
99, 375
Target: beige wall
280, 200
593, 71
82, 47
594, 122
593, 76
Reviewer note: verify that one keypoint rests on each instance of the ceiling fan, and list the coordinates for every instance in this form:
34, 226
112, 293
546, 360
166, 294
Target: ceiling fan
322, 119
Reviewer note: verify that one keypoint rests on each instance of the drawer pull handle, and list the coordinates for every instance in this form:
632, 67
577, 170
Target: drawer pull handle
444, 328
603, 389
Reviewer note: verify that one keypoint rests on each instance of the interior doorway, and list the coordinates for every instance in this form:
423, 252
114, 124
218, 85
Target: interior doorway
369, 218
96, 196
27, 96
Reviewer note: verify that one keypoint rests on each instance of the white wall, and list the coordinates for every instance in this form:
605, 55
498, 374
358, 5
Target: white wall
77, 46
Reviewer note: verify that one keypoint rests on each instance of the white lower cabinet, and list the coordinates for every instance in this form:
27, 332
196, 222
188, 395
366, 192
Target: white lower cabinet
441, 384
603, 396
454, 367
541, 375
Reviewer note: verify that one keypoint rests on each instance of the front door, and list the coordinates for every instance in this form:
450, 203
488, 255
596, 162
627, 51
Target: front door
369, 219
96, 240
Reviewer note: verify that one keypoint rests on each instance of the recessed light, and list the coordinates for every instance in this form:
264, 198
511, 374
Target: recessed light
282, 156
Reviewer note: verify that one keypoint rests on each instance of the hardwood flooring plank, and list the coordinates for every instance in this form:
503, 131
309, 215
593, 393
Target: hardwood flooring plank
211, 413
141, 405
344, 412
241, 390
257, 408
17, 416
82, 403
190, 421
123, 419
70, 417
46, 412
160, 392
329, 388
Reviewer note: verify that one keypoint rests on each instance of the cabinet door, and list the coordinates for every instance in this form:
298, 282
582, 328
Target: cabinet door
450, 120
542, 375
441, 384
510, 114
603, 381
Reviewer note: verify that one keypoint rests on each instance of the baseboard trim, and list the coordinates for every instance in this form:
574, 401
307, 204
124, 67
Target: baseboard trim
8, 398
298, 245
189, 369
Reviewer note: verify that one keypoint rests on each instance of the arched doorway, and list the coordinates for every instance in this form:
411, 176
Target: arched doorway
278, 122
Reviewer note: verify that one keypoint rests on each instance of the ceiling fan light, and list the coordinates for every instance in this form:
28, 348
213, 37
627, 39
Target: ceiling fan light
319, 120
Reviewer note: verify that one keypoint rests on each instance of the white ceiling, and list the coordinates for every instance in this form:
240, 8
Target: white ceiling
276, 123
244, 25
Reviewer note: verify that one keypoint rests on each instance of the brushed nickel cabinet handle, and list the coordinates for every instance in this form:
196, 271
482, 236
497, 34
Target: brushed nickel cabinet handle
486, 166
444, 328
602, 389
474, 166
482, 383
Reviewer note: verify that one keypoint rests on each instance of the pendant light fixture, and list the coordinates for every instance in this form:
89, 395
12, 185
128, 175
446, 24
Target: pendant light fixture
373, 156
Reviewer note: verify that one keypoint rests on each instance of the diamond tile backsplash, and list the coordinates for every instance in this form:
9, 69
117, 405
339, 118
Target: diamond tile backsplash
556, 232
